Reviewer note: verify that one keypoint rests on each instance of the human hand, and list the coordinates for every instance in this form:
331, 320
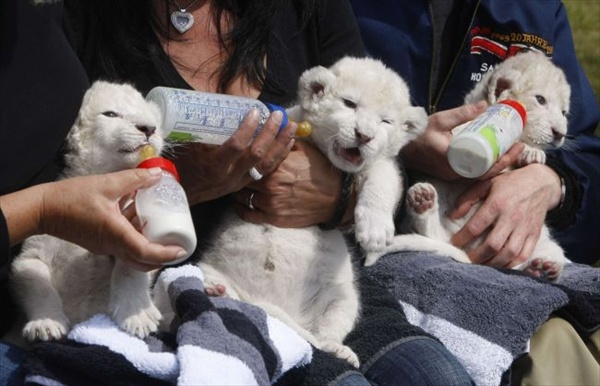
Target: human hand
427, 153
513, 211
209, 171
504, 161
87, 211
303, 191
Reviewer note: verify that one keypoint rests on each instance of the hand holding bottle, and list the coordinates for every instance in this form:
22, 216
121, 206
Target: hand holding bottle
163, 208
248, 135
476, 146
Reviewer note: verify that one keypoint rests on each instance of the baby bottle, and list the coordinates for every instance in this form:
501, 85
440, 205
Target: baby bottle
477, 145
196, 116
163, 208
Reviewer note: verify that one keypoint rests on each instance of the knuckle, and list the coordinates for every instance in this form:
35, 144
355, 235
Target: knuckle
513, 250
495, 206
520, 258
472, 229
269, 163
494, 246
236, 145
257, 152
516, 215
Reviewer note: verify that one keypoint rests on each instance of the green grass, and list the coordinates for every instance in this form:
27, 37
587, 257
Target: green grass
584, 16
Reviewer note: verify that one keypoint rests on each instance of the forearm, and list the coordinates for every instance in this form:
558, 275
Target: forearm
549, 178
22, 212
576, 225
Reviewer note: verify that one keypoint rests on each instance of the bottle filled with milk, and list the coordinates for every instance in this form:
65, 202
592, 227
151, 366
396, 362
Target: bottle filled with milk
477, 145
163, 208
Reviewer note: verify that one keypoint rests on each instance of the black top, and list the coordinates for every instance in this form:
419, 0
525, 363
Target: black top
41, 86
331, 34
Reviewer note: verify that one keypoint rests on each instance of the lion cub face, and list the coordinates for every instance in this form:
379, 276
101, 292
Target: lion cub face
115, 122
359, 110
541, 86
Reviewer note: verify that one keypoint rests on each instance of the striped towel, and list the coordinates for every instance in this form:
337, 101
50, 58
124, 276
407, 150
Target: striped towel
213, 340
486, 316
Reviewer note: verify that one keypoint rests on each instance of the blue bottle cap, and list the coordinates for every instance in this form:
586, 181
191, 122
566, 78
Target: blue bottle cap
273, 107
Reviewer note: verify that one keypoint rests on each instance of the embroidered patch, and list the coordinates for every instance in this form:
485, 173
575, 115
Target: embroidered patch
504, 45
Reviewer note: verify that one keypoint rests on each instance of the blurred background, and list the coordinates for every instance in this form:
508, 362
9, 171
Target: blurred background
584, 16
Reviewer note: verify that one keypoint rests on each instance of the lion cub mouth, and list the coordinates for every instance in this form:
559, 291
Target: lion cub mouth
350, 154
133, 150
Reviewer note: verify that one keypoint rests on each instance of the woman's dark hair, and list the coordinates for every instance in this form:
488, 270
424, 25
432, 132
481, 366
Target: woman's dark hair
122, 29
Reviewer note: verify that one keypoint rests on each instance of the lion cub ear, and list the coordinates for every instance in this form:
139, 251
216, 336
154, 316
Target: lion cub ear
413, 120
314, 82
502, 85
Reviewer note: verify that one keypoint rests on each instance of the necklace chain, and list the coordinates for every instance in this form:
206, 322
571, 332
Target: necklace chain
184, 9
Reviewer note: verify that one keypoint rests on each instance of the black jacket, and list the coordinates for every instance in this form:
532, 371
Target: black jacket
42, 83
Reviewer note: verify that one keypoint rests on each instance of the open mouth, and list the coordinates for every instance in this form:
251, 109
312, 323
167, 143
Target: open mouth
350, 154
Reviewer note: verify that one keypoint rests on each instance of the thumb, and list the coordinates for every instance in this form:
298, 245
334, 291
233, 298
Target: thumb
447, 120
466, 113
128, 181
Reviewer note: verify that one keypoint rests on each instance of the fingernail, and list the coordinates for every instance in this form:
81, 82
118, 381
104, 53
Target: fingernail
181, 253
277, 117
253, 114
154, 171
480, 105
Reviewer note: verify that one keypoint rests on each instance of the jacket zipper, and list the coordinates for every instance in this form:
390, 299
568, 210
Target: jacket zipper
431, 107
433, 104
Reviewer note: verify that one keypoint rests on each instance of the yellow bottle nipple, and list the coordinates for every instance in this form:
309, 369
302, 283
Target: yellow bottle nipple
304, 129
147, 152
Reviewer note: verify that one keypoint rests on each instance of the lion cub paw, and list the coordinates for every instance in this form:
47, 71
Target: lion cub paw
46, 329
544, 268
531, 155
341, 351
141, 323
421, 197
373, 230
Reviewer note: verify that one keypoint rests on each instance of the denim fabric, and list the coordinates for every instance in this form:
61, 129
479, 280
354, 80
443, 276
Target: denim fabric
11, 358
352, 379
417, 361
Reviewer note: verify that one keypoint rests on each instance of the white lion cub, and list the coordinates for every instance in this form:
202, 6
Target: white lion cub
361, 116
535, 81
58, 283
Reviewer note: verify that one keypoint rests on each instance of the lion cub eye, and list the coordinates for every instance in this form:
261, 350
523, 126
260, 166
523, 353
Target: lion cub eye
389, 122
349, 103
540, 99
110, 114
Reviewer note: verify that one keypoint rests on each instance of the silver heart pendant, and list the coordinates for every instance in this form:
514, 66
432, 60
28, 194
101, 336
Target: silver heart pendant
182, 21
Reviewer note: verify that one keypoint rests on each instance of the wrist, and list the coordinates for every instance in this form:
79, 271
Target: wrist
564, 212
22, 212
557, 190
341, 211
348, 219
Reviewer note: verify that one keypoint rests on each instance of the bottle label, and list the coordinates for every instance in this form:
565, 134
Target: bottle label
204, 117
501, 126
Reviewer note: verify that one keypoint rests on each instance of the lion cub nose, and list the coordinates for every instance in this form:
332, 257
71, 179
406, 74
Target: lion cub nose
557, 135
361, 138
148, 130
